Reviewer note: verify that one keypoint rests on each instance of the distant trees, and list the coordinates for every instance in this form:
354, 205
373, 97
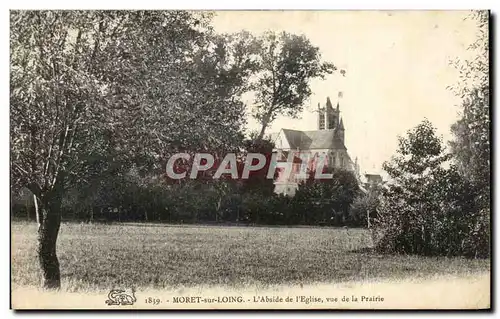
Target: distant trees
136, 196
365, 207
327, 200
146, 199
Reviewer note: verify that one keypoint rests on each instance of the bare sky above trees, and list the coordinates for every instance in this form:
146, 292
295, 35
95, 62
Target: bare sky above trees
397, 65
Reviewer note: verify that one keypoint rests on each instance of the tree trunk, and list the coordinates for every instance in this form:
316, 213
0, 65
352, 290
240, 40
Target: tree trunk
49, 217
217, 209
37, 211
262, 130
264, 123
368, 225
28, 207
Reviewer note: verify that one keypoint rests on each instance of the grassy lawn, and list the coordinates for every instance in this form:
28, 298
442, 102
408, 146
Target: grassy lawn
100, 257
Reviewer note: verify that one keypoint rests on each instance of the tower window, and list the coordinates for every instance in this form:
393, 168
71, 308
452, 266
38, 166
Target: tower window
321, 121
331, 122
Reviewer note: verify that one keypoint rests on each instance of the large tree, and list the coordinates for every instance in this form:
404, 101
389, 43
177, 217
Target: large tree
287, 64
60, 122
97, 92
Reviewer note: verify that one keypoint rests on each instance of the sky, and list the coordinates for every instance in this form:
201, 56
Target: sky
397, 71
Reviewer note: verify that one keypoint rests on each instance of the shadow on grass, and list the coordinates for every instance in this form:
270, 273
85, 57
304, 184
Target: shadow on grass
363, 250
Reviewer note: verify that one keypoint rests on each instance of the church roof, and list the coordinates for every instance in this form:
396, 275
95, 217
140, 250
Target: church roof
322, 139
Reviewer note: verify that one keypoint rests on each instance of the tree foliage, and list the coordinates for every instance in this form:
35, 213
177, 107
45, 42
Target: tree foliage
471, 146
327, 200
286, 64
428, 207
97, 93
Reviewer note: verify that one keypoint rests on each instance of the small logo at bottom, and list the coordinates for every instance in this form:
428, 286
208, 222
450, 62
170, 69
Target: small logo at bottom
120, 297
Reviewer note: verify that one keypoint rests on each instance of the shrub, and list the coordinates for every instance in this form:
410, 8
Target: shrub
428, 209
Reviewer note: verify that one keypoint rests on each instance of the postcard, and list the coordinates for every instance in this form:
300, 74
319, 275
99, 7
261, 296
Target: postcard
170, 159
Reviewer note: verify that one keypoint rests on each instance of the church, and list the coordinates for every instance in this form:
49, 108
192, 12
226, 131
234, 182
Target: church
328, 140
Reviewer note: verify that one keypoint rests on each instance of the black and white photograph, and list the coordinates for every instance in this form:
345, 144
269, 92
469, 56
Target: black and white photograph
260, 159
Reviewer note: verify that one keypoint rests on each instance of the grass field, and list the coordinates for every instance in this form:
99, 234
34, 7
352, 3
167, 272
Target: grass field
98, 257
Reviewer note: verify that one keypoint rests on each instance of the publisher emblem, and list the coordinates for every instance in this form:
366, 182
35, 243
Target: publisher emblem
120, 297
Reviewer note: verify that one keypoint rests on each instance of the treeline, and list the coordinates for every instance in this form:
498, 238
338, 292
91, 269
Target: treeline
134, 198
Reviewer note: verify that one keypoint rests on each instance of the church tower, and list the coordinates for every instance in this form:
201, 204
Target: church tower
329, 118
332, 115
341, 131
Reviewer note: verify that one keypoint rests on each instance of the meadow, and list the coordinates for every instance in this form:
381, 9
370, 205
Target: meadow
98, 257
